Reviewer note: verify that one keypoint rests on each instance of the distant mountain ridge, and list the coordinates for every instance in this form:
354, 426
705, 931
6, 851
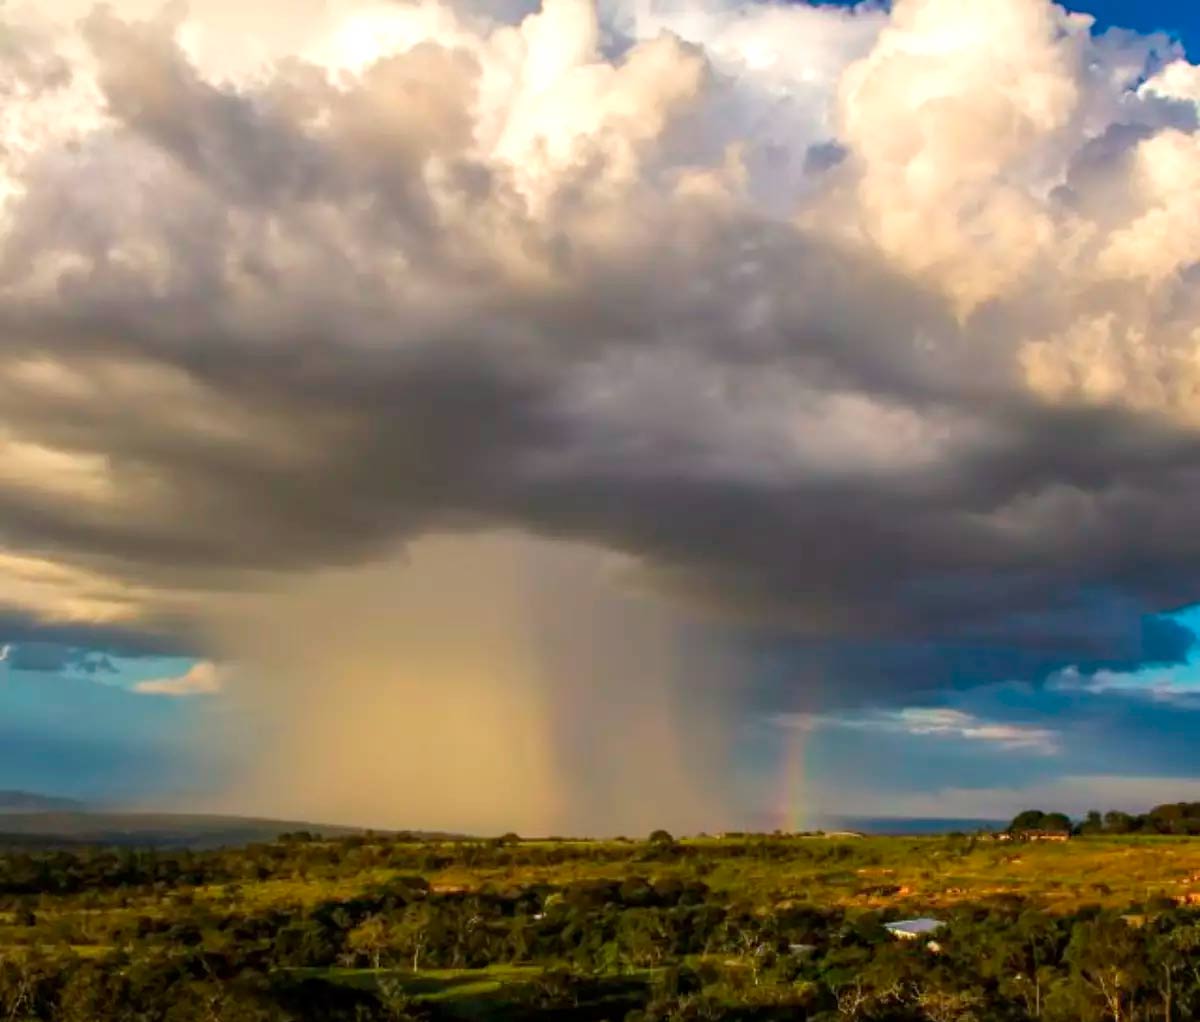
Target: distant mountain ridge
102, 827
148, 830
12, 801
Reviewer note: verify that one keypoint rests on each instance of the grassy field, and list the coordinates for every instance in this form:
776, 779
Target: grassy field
433, 985
874, 872
496, 992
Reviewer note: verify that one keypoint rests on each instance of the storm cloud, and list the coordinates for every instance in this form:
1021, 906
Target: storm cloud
837, 325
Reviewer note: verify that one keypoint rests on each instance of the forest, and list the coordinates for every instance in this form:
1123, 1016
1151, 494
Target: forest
368, 928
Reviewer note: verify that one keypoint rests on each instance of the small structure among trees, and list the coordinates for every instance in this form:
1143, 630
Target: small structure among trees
911, 929
1034, 825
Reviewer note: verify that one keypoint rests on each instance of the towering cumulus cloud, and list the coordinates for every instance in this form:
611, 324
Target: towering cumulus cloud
348, 344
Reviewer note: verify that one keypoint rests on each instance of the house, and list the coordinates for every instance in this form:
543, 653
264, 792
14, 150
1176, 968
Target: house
1043, 835
911, 929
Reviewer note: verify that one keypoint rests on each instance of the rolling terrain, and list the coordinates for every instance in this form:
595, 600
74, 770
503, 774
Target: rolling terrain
388, 928
48, 827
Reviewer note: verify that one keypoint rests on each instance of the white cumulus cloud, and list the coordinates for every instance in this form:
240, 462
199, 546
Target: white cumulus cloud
202, 679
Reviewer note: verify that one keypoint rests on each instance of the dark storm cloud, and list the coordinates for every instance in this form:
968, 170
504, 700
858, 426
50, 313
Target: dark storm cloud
283, 324
49, 646
796, 673
51, 658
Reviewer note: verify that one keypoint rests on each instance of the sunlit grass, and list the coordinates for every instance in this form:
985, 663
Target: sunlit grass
867, 873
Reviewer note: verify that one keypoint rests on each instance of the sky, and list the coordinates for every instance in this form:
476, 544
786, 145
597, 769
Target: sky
578, 417
1176, 17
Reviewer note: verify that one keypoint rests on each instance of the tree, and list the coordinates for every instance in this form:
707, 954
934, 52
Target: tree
1030, 819
90, 993
398, 1005
943, 1003
1022, 960
372, 938
16, 990
412, 933
1119, 823
1058, 823
661, 837
1174, 953
1107, 956
554, 989
644, 937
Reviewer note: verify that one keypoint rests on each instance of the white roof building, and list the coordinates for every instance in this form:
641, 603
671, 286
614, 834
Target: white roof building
910, 929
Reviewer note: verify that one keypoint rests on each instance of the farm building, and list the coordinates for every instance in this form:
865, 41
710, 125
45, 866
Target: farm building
1030, 835
911, 929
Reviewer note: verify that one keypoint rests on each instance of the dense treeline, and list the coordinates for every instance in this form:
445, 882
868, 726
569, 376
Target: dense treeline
1170, 818
133, 937
69, 871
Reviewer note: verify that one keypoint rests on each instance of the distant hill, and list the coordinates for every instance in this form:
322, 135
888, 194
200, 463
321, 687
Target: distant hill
28, 802
147, 830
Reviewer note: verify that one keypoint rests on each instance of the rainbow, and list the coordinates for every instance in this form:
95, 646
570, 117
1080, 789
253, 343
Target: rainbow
793, 811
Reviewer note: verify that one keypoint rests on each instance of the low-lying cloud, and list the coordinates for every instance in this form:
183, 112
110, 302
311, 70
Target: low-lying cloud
934, 722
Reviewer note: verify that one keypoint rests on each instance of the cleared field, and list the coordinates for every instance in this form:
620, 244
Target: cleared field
496, 992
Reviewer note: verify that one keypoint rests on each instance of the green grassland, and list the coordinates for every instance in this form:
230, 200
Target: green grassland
864, 873
492, 992
888, 875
